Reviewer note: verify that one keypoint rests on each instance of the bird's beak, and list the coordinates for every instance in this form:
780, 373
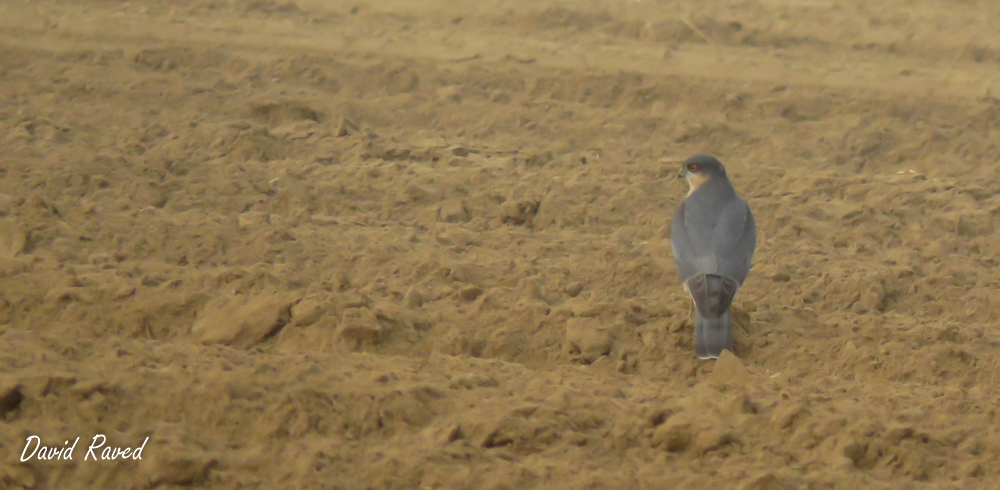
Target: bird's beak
682, 173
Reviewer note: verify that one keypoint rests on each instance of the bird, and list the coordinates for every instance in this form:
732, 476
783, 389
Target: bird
713, 238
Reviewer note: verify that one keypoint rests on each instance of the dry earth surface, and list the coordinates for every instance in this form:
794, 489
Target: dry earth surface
391, 244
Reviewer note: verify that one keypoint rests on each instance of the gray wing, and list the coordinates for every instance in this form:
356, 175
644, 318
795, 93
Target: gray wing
735, 240
714, 241
690, 257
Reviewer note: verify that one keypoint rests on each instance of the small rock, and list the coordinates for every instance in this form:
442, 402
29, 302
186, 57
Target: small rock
459, 151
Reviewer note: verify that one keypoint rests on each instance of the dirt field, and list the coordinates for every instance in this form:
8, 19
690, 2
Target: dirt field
420, 244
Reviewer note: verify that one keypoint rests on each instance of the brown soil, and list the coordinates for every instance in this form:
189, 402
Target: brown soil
391, 244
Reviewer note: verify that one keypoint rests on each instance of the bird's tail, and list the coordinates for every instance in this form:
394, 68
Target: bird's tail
711, 335
712, 296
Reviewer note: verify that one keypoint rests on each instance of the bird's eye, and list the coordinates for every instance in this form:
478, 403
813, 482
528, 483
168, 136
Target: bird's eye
692, 167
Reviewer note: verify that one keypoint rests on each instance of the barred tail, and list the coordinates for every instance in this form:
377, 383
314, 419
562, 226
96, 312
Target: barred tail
711, 335
712, 296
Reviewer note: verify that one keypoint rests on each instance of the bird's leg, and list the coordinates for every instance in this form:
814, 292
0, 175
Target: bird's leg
693, 305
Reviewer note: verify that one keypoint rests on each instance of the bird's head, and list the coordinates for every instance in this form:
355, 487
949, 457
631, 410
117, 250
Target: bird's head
700, 169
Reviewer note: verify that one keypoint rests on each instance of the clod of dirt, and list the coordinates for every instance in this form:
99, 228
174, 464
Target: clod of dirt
309, 311
21, 476
168, 458
729, 370
414, 298
673, 436
8, 203
242, 321
574, 289
672, 31
470, 293
786, 416
13, 239
252, 218
279, 112
700, 434
179, 469
519, 213
420, 194
297, 130
896, 433
346, 127
769, 481
452, 93
10, 267
360, 328
587, 338
454, 211
539, 159
178, 58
